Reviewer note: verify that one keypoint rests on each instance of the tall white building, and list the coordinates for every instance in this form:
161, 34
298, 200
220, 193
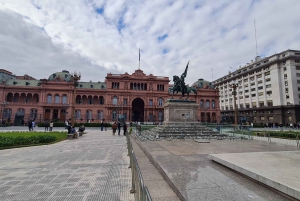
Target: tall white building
268, 90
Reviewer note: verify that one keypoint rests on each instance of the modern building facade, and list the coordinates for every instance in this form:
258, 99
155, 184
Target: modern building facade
268, 90
132, 97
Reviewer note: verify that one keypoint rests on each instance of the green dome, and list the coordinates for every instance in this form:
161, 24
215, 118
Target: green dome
65, 75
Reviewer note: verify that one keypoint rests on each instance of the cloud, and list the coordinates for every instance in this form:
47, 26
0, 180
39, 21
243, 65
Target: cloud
104, 36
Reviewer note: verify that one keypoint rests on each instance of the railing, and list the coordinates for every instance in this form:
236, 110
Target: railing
141, 192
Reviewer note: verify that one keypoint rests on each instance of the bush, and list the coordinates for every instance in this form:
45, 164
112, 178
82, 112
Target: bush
20, 140
258, 126
61, 124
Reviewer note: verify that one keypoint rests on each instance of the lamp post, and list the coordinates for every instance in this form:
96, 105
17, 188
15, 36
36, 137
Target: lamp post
75, 78
234, 85
65, 106
3, 106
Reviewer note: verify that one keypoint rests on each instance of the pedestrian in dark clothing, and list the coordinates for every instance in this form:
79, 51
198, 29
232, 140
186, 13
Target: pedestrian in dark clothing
105, 125
29, 125
114, 128
46, 125
125, 128
119, 127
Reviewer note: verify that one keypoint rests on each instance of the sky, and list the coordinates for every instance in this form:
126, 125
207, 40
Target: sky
96, 37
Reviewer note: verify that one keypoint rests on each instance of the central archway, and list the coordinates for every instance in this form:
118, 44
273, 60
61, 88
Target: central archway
138, 106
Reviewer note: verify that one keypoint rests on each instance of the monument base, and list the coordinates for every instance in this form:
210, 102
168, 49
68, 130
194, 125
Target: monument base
178, 112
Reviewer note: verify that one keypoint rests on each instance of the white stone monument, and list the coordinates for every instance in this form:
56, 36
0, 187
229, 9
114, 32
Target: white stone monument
178, 112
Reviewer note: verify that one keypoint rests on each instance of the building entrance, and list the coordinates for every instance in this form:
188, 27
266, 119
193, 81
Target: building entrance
138, 110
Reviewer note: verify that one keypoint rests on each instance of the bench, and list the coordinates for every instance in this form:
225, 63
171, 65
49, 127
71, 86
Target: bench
70, 135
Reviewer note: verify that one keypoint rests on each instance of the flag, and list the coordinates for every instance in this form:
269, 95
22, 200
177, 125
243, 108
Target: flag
139, 55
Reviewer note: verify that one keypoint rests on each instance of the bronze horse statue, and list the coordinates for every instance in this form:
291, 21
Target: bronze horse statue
178, 87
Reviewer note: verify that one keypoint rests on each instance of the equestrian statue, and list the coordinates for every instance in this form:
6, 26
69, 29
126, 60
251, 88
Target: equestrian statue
179, 85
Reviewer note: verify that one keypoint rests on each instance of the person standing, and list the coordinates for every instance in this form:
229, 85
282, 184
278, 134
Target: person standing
105, 125
125, 128
46, 125
114, 128
51, 125
29, 125
119, 127
33, 124
102, 125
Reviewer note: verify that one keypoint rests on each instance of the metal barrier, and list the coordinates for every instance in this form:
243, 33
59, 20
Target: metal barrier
141, 192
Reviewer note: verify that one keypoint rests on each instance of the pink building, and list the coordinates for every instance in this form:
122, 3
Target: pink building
134, 97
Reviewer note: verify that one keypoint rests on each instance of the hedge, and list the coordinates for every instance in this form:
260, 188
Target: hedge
20, 140
61, 124
277, 134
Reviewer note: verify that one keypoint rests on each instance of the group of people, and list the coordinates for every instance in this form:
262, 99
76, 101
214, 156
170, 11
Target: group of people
48, 125
31, 124
72, 129
117, 125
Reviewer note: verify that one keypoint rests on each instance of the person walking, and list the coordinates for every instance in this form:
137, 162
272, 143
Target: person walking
114, 128
51, 125
29, 125
119, 127
125, 128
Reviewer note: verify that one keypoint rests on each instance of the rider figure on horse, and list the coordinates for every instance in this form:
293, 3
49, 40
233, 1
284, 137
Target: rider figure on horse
182, 83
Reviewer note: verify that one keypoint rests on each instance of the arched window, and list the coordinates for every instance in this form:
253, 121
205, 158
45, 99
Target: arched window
56, 98
33, 113
213, 104
207, 105
131, 86
49, 98
90, 100
160, 116
77, 114
100, 115
115, 100
201, 103
88, 114
160, 102
7, 113
64, 99
114, 115
21, 111
101, 100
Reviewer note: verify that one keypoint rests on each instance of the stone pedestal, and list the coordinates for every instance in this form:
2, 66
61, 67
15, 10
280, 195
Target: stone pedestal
178, 112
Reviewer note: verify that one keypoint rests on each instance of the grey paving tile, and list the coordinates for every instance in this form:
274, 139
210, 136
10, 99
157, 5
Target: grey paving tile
92, 167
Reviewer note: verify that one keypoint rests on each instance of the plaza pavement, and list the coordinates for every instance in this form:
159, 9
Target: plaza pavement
191, 172
93, 167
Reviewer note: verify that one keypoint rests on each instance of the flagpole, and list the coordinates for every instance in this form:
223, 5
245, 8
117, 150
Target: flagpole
139, 58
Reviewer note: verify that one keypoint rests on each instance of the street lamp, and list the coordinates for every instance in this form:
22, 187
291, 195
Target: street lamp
65, 107
75, 77
3, 106
234, 85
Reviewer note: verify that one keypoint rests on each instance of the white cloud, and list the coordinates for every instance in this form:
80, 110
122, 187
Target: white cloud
216, 34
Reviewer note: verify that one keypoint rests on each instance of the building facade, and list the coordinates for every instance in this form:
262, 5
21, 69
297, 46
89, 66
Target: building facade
132, 97
268, 90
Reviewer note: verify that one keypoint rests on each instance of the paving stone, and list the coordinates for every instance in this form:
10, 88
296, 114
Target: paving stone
94, 167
